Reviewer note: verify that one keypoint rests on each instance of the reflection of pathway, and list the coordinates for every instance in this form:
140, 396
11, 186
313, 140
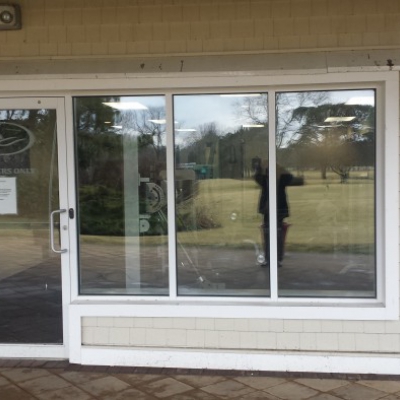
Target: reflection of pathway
30, 298
30, 306
225, 269
321, 274
30, 288
22, 249
302, 273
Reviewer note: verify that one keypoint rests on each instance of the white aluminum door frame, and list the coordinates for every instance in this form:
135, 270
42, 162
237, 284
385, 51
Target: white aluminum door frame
54, 351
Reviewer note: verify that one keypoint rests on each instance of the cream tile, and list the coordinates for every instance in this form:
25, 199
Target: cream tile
4, 381
140, 379
384, 386
24, 374
356, 391
67, 393
260, 382
194, 395
12, 392
104, 386
129, 394
165, 388
78, 377
323, 385
229, 389
325, 396
291, 391
44, 383
261, 396
199, 381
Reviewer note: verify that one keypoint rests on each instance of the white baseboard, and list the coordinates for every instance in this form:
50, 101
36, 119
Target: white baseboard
250, 361
49, 352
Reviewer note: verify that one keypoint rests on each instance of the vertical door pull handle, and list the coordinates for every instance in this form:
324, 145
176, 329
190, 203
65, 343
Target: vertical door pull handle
52, 231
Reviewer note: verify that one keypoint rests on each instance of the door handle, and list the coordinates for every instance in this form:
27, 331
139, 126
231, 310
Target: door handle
52, 231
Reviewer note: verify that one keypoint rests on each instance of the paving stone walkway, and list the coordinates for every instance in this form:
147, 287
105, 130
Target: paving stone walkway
48, 380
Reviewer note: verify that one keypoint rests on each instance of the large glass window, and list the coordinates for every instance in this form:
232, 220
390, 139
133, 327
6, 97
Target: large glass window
325, 185
121, 177
219, 141
297, 219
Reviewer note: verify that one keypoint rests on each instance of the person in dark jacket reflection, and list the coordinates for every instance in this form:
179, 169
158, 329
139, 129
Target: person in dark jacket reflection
283, 179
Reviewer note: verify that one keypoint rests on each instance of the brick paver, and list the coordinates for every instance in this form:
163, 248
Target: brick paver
45, 380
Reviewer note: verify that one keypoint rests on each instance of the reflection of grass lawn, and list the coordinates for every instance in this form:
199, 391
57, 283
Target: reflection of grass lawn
324, 214
18, 233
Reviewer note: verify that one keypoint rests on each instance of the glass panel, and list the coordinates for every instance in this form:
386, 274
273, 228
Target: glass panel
30, 274
326, 165
121, 168
220, 140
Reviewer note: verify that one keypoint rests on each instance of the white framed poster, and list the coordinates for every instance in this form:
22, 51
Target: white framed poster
8, 195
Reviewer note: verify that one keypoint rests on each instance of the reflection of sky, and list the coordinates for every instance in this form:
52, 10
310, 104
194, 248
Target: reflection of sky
361, 97
147, 101
150, 102
192, 111
288, 101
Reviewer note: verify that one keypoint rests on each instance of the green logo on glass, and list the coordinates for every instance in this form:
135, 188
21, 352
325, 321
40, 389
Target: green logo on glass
14, 139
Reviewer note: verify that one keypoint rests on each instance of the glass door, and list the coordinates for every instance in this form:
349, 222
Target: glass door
34, 221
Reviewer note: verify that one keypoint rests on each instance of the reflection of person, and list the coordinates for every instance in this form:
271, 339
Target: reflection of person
283, 179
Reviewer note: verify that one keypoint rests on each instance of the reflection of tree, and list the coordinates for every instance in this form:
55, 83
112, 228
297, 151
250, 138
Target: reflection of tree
253, 110
106, 138
200, 148
218, 152
221, 155
102, 132
97, 143
147, 128
148, 125
286, 103
339, 143
303, 137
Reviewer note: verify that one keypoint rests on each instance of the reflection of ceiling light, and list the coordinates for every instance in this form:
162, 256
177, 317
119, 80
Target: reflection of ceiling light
253, 126
241, 95
339, 119
126, 105
186, 130
158, 121
362, 101
117, 126
107, 122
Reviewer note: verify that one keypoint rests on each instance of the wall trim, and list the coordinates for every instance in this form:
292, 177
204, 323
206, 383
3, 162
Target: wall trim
36, 351
276, 63
349, 363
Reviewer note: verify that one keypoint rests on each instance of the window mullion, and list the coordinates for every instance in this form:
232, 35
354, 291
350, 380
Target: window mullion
171, 196
272, 196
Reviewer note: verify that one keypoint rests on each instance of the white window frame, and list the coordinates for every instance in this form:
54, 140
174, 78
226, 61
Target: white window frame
384, 307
